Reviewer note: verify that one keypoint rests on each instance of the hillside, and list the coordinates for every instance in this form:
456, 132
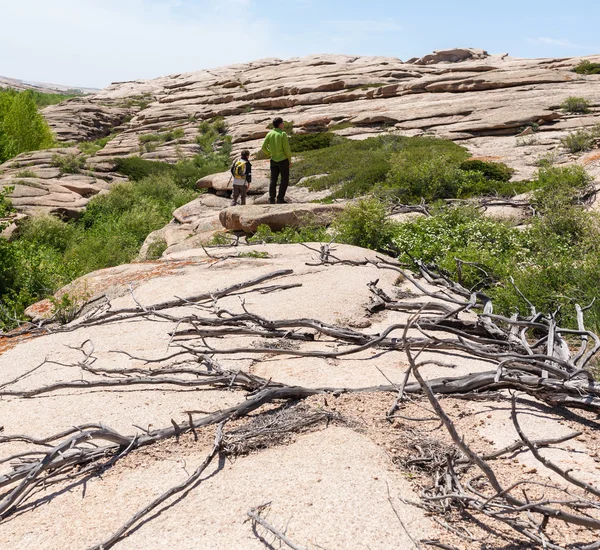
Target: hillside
404, 356
43, 87
479, 100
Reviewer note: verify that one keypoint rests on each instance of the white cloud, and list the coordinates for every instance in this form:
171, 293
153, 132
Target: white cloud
91, 42
545, 40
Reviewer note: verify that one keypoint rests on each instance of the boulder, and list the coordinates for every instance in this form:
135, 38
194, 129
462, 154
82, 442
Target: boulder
278, 216
450, 56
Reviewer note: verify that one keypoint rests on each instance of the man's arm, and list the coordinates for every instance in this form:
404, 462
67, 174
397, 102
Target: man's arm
266, 145
286, 147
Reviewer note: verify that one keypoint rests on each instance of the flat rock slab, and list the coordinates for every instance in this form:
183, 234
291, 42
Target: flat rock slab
278, 216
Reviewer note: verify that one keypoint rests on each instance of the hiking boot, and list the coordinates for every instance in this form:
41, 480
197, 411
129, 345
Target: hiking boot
271, 201
282, 201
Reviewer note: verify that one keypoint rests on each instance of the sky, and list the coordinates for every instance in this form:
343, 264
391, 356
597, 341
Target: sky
91, 43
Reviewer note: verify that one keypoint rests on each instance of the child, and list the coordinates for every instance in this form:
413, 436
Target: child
241, 170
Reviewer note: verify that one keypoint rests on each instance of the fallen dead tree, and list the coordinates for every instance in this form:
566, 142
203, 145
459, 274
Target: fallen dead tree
529, 354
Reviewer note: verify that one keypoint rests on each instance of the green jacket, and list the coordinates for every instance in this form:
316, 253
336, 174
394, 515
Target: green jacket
277, 145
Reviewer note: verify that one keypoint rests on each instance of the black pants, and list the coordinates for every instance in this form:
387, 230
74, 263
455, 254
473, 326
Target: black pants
282, 167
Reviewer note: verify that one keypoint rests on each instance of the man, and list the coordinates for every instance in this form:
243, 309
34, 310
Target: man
277, 147
241, 170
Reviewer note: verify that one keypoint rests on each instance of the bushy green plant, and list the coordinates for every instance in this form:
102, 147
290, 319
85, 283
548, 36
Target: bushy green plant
463, 232
365, 224
27, 173
156, 249
210, 134
576, 105
310, 142
560, 186
407, 169
587, 67
138, 101
150, 142
497, 171
22, 128
65, 307
49, 252
353, 168
290, 235
185, 173
5, 205
44, 99
90, 148
580, 140
48, 231
258, 254
71, 163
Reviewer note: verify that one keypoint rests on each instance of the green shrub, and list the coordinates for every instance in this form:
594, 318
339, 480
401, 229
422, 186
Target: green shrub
185, 173
463, 232
22, 128
580, 140
65, 308
156, 249
210, 134
139, 101
353, 168
364, 224
49, 253
310, 142
576, 105
48, 231
290, 235
405, 169
71, 163
43, 99
587, 67
90, 148
27, 173
560, 186
6, 207
496, 171
255, 254
150, 142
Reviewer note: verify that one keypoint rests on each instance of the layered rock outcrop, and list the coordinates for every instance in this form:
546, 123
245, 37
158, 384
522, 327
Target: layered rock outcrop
483, 101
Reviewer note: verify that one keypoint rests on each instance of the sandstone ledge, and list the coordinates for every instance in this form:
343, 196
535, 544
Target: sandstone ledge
278, 216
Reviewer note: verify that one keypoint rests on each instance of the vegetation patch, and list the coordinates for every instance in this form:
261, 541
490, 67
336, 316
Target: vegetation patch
26, 173
402, 168
310, 142
43, 99
576, 105
90, 148
149, 142
581, 140
71, 163
49, 253
210, 134
288, 235
587, 67
22, 127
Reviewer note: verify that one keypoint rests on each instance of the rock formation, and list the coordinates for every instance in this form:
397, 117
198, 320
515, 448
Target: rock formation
481, 100
103, 415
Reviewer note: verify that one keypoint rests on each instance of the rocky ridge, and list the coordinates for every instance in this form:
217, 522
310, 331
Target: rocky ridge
482, 101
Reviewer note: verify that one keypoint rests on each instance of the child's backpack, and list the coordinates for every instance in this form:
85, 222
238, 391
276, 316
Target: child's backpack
238, 168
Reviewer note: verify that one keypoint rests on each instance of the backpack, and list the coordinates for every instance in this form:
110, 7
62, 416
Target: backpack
238, 168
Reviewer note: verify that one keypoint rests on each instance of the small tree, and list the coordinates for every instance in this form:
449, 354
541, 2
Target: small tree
22, 128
